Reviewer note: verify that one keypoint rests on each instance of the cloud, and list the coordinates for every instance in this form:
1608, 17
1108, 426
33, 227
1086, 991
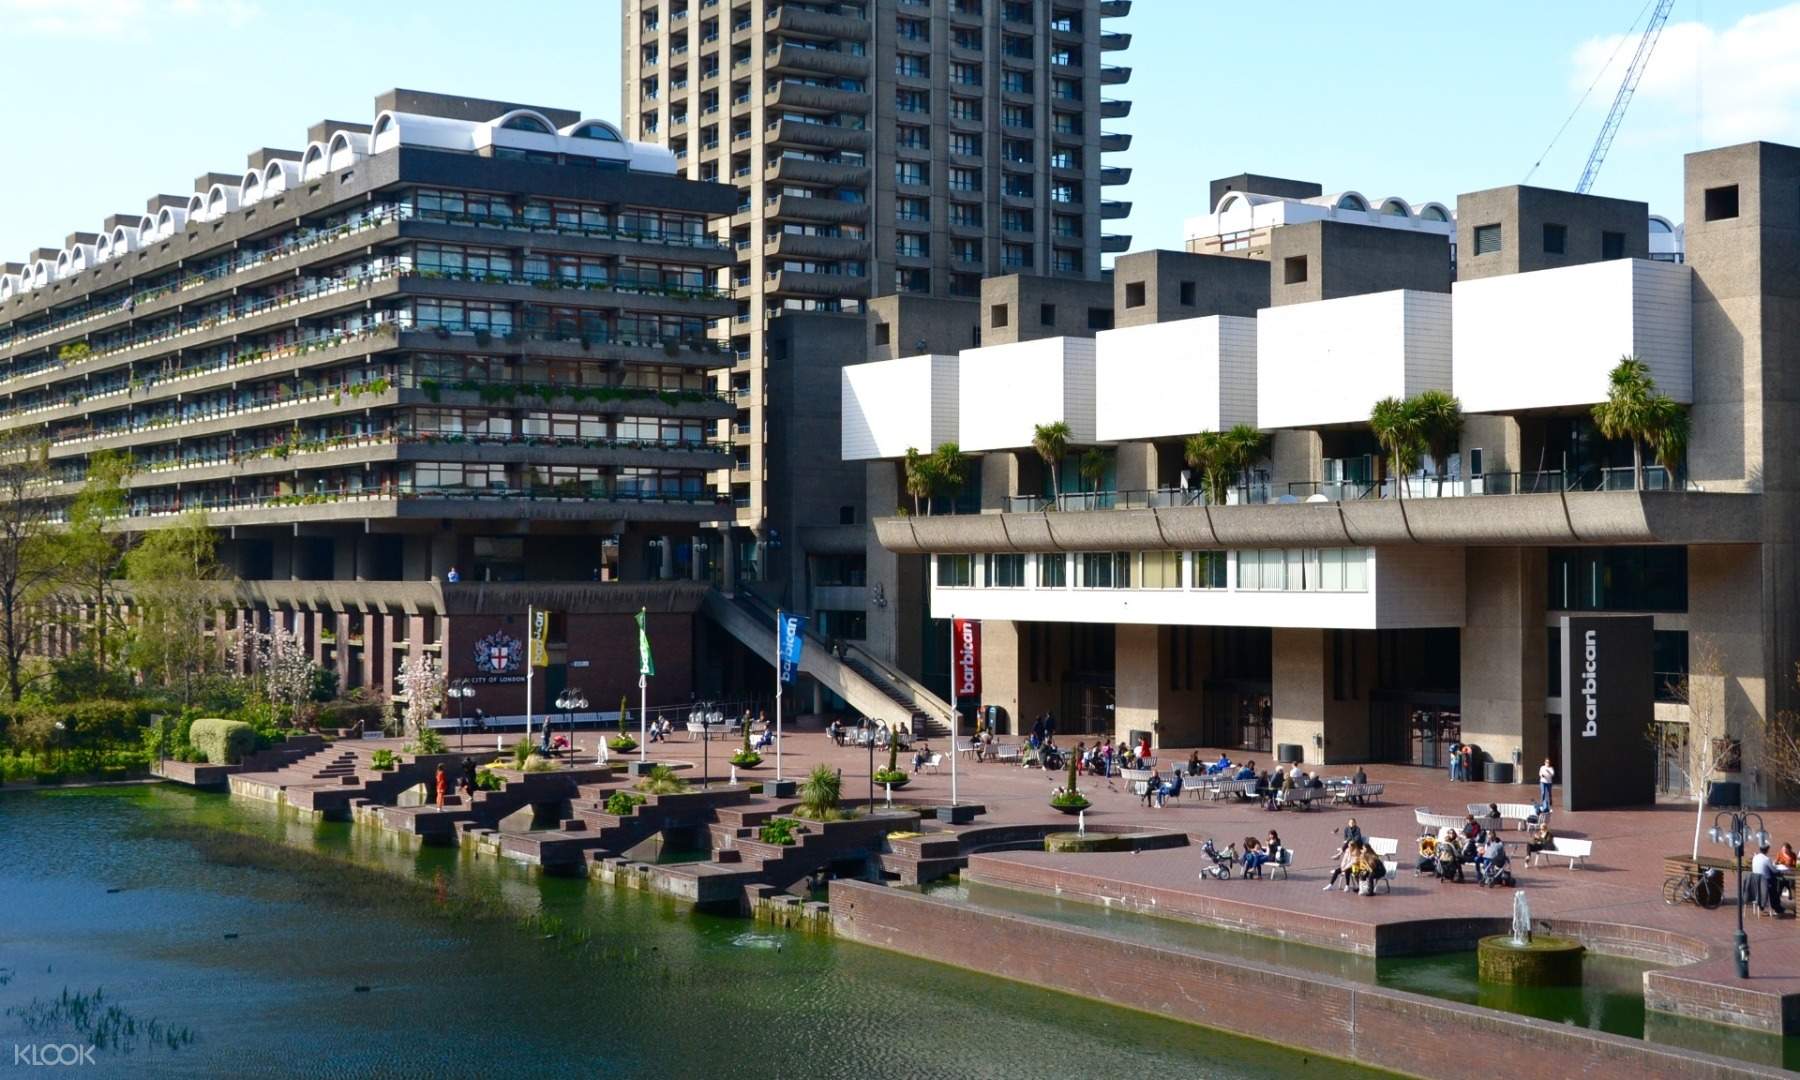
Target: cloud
1739, 83
114, 18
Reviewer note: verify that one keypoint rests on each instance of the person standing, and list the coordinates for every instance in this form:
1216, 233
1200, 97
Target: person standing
1455, 762
1546, 778
443, 781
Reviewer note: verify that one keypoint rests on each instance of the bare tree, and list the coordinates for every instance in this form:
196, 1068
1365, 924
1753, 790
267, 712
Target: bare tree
1712, 739
1781, 745
27, 556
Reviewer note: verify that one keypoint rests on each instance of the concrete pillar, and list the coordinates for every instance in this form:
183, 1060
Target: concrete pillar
727, 562
1498, 439
1726, 634
1298, 664
666, 571
696, 562
1294, 457
999, 479
1135, 466
1504, 646
343, 558
1137, 682
365, 556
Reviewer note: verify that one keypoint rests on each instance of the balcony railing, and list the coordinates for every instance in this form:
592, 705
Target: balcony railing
1426, 486
570, 492
1133, 499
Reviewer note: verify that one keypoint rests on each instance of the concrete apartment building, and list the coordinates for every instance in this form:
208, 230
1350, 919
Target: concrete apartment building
879, 147
1322, 609
465, 335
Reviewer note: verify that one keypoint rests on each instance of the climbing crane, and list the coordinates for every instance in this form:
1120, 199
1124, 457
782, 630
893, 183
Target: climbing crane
1622, 100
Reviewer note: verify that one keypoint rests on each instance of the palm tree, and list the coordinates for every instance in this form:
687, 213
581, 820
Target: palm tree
1242, 445
951, 468
1396, 428
1440, 419
921, 477
1205, 454
1093, 467
1634, 410
1051, 441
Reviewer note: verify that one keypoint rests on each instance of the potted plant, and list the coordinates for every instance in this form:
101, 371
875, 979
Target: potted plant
623, 743
891, 776
744, 757
1067, 798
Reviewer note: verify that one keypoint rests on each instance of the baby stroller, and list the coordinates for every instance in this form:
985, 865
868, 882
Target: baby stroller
1493, 876
1052, 758
1221, 860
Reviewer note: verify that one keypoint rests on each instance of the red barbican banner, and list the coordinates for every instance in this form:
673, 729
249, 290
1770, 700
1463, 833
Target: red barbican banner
966, 654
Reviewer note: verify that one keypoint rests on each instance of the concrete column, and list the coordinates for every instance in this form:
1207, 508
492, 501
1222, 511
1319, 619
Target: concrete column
1294, 457
1504, 646
343, 558
365, 556
999, 479
1135, 466
1298, 687
696, 564
1726, 634
666, 571
1498, 439
1137, 681
727, 562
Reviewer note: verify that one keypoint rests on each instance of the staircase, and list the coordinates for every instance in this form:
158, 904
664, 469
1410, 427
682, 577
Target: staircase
872, 688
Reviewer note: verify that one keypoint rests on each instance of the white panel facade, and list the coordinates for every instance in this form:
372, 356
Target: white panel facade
1549, 338
1175, 378
1413, 588
1329, 361
892, 405
1005, 391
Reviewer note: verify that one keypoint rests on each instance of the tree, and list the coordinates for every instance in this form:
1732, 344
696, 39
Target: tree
175, 579
1242, 446
1051, 441
1712, 744
287, 671
1781, 745
27, 551
1205, 453
950, 469
1634, 410
423, 683
921, 477
1396, 428
1092, 466
1439, 417
90, 550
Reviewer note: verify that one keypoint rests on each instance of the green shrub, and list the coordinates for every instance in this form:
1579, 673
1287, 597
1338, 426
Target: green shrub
621, 803
538, 763
821, 794
520, 751
224, 742
427, 742
622, 744
662, 781
780, 831
890, 776
745, 758
489, 780
1064, 799
382, 759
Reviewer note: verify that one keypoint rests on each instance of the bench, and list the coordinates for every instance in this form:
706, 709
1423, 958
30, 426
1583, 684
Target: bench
1139, 779
1431, 824
1359, 794
1562, 847
1513, 814
1385, 846
1301, 798
932, 763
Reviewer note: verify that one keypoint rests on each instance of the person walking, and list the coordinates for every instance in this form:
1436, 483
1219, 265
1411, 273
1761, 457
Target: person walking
443, 782
1455, 762
1546, 778
468, 776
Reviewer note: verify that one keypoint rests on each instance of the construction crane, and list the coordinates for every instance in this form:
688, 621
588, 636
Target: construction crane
1622, 100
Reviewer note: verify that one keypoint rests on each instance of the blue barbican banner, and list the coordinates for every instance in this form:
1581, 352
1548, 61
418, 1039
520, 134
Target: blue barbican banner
790, 639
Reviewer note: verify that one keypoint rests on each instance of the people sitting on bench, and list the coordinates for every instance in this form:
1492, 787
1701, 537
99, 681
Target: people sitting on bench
1246, 772
1367, 870
1254, 857
1539, 839
1170, 788
1346, 866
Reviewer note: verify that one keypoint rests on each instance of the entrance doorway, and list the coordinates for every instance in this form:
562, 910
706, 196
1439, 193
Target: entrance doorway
1415, 728
1239, 715
1434, 732
1087, 708
1671, 758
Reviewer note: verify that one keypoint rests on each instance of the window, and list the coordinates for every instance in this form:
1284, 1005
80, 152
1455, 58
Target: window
1015, 220
912, 101
955, 571
965, 109
910, 172
1016, 82
1612, 245
1293, 270
997, 315
915, 67
1016, 116
1487, 239
1017, 185
965, 251
965, 74
965, 214
1065, 261
966, 145
1006, 571
1100, 318
1189, 295
845, 625
883, 333
965, 179
912, 137
1053, 571
1134, 294
1668, 664
1209, 569
1046, 314
1722, 203
1618, 579
1105, 569
912, 280
912, 245
1160, 570
1015, 256
1556, 239
913, 30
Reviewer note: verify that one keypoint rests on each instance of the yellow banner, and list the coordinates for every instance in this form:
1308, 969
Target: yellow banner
540, 639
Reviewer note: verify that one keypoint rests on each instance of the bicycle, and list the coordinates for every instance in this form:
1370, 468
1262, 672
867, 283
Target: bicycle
1704, 888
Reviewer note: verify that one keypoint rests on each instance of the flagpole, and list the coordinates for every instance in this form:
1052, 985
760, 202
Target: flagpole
644, 666
779, 660
530, 663
953, 713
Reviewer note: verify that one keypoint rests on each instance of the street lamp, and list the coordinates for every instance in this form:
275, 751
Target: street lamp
571, 700
1733, 828
460, 690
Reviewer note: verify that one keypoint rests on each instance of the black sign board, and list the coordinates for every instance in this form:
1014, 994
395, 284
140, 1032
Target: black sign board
1608, 759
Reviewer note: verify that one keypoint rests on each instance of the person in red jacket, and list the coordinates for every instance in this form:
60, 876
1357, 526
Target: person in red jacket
443, 781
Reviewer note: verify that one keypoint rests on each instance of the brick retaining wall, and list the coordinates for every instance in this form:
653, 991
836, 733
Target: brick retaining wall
1318, 1014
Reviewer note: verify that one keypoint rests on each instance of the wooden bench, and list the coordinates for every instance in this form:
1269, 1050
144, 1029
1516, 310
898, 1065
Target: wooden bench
1562, 847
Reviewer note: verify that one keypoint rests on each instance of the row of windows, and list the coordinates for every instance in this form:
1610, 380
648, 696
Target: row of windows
1265, 570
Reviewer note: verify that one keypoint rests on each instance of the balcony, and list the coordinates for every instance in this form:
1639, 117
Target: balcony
1115, 243
1113, 142
802, 283
890, 406
1113, 41
788, 95
1114, 108
1203, 370
792, 170
818, 211
1327, 362
1114, 209
1113, 175
1550, 338
803, 246
793, 20
794, 58
1114, 75
1114, 9
827, 136
1005, 391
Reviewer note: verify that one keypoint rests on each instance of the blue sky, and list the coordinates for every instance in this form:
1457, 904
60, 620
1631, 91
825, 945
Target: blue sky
1422, 101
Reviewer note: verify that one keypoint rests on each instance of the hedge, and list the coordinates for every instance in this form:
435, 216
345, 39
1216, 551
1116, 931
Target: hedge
224, 742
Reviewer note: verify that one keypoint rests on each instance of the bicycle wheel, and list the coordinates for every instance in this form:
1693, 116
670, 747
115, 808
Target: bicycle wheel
1708, 891
1672, 890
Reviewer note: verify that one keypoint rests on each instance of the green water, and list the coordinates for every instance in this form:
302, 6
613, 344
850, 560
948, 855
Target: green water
254, 930
1610, 999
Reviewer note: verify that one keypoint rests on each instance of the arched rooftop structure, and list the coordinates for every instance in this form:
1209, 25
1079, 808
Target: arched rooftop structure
345, 149
598, 130
279, 176
1435, 211
124, 240
1660, 224
1396, 206
414, 129
220, 200
9, 286
169, 221
312, 163
250, 188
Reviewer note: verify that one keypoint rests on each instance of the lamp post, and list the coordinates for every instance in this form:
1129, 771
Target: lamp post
1733, 828
569, 701
459, 691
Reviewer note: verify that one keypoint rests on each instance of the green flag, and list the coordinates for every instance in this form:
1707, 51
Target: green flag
646, 665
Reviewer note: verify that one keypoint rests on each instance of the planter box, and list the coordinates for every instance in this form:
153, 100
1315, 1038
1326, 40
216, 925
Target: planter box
956, 815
